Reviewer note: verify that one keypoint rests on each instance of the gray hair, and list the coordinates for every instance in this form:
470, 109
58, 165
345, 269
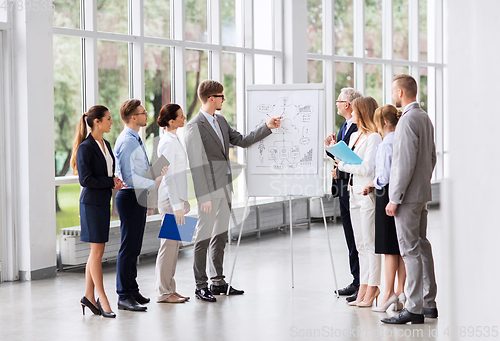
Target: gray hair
350, 94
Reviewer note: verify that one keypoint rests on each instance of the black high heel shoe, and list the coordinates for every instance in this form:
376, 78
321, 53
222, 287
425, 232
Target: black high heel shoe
86, 303
103, 313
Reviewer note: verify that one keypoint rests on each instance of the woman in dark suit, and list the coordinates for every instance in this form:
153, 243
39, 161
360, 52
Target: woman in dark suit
93, 161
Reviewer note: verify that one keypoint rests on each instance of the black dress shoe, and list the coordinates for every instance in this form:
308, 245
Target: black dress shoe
347, 291
141, 299
222, 290
130, 304
431, 313
205, 295
353, 297
404, 317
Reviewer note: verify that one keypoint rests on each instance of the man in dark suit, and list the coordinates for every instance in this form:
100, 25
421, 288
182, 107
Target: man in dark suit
339, 187
208, 136
413, 161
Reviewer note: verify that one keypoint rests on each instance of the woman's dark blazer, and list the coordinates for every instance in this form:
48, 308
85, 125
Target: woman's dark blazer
93, 172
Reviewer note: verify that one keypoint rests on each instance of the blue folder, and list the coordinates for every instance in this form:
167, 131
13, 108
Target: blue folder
342, 152
170, 230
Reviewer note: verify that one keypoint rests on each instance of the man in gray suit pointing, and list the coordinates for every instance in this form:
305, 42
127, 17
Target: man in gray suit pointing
208, 136
413, 161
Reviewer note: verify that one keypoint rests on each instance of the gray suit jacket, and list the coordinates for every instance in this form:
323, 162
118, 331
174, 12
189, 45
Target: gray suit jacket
414, 158
208, 159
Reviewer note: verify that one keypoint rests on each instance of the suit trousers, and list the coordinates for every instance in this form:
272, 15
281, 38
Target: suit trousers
345, 216
132, 223
166, 260
363, 224
211, 236
416, 250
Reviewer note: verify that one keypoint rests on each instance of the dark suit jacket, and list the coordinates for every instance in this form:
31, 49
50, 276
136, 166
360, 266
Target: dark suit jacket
342, 175
209, 159
93, 173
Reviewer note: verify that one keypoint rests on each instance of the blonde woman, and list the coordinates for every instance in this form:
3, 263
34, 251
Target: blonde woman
364, 143
386, 240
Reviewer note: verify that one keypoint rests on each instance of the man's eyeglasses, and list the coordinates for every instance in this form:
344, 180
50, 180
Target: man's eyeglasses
341, 101
221, 96
143, 113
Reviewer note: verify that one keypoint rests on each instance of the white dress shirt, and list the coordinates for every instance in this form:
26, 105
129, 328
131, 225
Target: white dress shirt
173, 186
107, 157
365, 149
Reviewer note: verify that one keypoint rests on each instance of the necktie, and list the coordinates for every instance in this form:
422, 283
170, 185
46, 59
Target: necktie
218, 131
342, 131
144, 149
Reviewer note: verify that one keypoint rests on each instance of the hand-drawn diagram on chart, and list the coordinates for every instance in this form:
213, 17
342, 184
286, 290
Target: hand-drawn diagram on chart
292, 148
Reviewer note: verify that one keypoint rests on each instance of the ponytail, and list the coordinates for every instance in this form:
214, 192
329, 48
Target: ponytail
81, 134
95, 112
387, 113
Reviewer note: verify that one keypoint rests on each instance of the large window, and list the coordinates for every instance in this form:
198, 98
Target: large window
102, 55
315, 26
111, 59
373, 41
113, 81
373, 28
66, 13
344, 28
196, 20
157, 18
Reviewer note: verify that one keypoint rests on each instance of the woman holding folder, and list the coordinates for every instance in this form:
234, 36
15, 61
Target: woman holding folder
364, 143
172, 199
93, 161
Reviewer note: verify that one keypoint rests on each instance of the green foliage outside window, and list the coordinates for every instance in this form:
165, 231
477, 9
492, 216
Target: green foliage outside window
315, 26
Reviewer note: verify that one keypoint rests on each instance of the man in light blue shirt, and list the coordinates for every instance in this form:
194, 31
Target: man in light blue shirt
134, 161
131, 202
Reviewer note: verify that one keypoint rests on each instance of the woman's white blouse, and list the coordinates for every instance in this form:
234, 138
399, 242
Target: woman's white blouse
174, 184
366, 149
108, 158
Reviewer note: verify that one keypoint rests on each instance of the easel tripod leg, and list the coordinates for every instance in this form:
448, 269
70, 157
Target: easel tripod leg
238, 244
329, 246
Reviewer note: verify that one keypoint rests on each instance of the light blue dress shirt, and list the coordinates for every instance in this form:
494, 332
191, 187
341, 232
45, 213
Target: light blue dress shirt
383, 161
132, 161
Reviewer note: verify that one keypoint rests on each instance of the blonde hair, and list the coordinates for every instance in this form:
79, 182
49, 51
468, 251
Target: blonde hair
365, 109
387, 113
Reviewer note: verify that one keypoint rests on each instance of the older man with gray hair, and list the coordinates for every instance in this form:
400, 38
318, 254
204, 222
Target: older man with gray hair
340, 183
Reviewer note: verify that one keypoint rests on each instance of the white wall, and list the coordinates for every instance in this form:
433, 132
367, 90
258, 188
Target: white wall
469, 294
33, 122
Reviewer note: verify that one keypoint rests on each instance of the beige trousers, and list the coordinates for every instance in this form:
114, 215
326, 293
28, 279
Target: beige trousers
166, 260
362, 210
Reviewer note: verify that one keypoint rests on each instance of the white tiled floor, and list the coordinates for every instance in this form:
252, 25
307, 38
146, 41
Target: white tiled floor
270, 309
